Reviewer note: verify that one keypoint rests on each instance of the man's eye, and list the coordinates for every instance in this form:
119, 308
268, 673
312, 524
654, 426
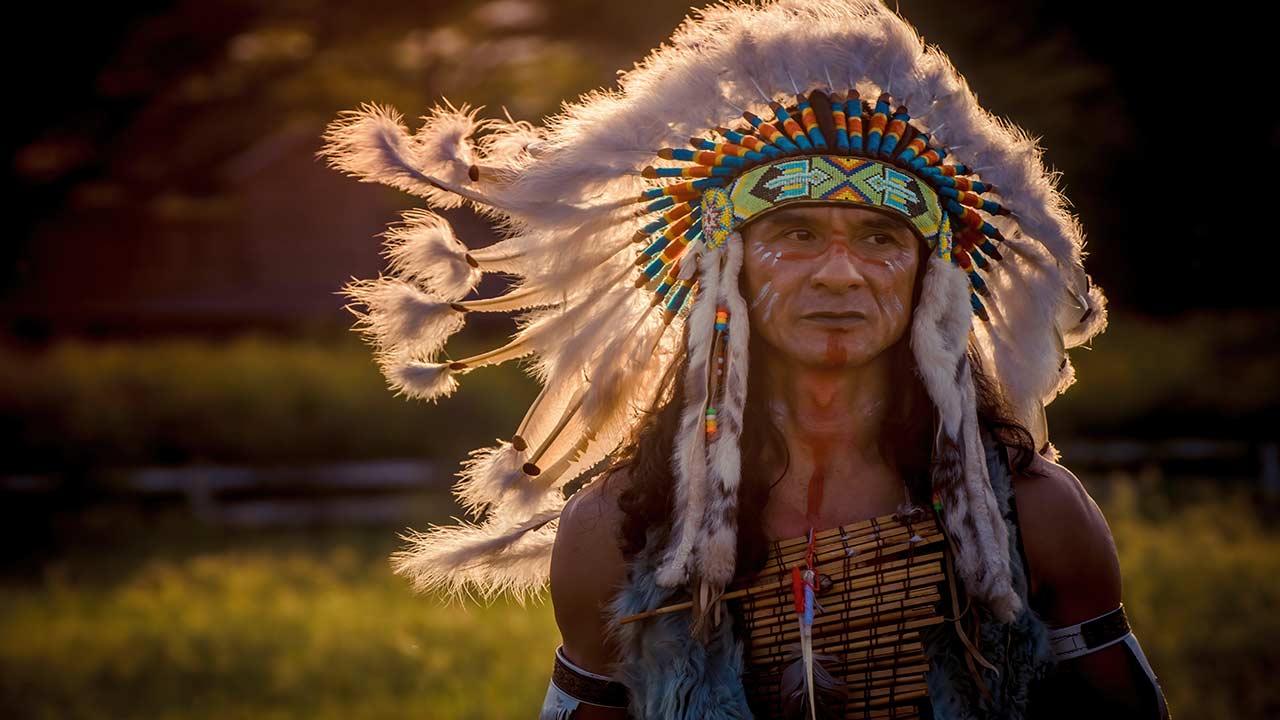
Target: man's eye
880, 239
799, 235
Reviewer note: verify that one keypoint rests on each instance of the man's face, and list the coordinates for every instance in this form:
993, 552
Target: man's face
830, 286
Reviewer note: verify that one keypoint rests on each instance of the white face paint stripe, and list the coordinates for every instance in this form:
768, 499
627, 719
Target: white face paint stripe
769, 308
760, 296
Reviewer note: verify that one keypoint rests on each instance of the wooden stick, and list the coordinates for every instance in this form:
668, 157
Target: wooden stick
840, 609
776, 588
880, 574
891, 713
875, 642
839, 615
861, 543
850, 594
882, 698
914, 670
887, 642
857, 589
884, 623
859, 528
901, 695
867, 555
920, 564
838, 534
868, 653
852, 663
856, 679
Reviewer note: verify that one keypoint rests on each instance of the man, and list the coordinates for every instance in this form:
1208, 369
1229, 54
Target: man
832, 309
822, 314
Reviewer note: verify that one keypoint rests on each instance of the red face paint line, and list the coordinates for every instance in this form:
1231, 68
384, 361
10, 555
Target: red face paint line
817, 481
836, 353
822, 391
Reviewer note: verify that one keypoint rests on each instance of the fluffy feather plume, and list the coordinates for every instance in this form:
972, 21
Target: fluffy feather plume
564, 198
510, 550
444, 139
401, 319
488, 475
501, 555
425, 249
373, 145
600, 412
416, 379
828, 692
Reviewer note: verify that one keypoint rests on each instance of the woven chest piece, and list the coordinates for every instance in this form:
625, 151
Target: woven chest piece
879, 585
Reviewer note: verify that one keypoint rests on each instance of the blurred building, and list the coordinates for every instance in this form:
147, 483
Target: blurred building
270, 244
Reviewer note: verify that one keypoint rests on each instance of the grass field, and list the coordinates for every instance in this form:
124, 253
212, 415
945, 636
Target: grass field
175, 622
144, 616
267, 626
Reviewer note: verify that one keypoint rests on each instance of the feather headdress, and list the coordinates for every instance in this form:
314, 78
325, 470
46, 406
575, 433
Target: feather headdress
626, 271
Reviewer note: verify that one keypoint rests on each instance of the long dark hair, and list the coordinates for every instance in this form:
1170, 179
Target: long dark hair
647, 502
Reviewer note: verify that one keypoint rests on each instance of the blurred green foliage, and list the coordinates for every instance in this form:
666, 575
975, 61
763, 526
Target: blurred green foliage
291, 628
292, 625
264, 400
85, 405
1204, 373
1200, 588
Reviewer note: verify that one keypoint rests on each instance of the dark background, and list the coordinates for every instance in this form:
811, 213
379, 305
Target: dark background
162, 178
202, 473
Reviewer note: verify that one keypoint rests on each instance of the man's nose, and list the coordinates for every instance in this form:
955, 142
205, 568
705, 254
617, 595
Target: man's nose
837, 268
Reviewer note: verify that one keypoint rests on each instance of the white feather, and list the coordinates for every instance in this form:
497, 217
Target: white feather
488, 475
444, 139
373, 145
400, 318
425, 249
564, 198
501, 555
418, 380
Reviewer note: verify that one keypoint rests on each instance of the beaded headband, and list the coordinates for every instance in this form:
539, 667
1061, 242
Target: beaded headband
841, 151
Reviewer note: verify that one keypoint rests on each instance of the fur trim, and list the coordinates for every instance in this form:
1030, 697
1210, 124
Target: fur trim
939, 342
690, 459
718, 547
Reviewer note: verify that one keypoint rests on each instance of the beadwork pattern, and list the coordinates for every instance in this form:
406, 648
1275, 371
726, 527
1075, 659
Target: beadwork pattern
841, 149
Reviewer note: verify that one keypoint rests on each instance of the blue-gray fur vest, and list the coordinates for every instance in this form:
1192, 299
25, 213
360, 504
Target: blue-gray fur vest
672, 676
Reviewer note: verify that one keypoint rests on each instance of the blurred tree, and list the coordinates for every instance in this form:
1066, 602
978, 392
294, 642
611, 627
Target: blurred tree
148, 123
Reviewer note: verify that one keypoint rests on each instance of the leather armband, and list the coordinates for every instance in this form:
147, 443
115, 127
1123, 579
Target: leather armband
571, 686
1104, 631
1089, 636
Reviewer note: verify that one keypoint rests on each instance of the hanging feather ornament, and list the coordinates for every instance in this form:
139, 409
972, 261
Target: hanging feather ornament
808, 689
829, 694
594, 239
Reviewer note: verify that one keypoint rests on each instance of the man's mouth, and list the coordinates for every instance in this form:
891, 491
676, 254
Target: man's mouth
837, 318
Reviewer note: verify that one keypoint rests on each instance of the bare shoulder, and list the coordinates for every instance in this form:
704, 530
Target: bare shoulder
587, 569
1072, 555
